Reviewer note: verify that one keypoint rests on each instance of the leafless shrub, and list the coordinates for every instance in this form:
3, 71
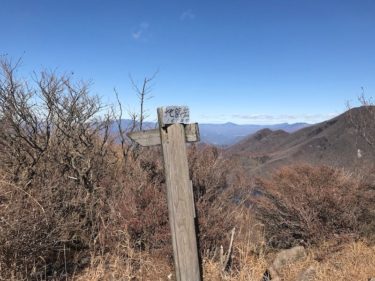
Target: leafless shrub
217, 208
144, 204
306, 205
143, 93
65, 193
54, 122
55, 157
363, 123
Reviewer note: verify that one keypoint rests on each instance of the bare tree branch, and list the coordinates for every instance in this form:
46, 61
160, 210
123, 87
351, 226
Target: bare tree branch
143, 92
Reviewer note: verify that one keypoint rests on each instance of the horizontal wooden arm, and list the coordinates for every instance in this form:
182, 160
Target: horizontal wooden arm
152, 137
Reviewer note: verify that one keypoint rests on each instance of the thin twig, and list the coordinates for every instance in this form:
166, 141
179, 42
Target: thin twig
229, 254
28, 194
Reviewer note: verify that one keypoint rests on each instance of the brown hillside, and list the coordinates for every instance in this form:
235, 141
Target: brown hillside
336, 142
263, 141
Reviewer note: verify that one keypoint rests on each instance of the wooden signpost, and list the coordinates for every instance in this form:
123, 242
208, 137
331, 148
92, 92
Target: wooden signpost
172, 135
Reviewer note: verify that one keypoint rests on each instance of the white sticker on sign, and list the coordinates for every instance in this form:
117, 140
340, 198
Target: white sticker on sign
175, 114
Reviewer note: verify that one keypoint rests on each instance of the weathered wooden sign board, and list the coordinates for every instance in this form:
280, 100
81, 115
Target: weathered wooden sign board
174, 114
172, 135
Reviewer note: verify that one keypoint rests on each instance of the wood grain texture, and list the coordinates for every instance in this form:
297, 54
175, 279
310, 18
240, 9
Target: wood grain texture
152, 137
146, 138
179, 195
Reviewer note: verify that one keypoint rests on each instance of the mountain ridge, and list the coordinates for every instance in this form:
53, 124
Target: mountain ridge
224, 134
334, 142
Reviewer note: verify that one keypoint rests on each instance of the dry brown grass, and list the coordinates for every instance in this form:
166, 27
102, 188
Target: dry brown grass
137, 267
352, 261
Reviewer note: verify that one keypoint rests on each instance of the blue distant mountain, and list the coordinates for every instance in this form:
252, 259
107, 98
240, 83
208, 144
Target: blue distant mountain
225, 134
230, 133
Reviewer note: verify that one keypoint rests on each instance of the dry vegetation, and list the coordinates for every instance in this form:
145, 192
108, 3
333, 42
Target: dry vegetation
305, 205
75, 204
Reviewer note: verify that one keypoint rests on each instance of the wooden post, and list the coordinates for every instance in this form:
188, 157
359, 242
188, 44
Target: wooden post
173, 133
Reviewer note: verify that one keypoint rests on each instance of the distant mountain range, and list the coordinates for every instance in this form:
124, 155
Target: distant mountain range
230, 133
334, 142
226, 134
261, 148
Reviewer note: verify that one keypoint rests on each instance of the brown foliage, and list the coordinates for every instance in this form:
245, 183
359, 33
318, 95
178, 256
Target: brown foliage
56, 156
143, 203
70, 196
303, 204
215, 197
69, 193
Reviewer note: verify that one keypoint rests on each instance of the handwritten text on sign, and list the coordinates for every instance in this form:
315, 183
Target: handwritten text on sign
175, 114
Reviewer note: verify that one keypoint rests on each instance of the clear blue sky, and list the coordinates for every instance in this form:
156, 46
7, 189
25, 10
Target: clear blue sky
265, 61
